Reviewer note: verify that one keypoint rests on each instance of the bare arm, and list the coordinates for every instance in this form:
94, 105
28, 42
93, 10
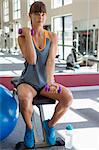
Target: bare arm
26, 46
50, 65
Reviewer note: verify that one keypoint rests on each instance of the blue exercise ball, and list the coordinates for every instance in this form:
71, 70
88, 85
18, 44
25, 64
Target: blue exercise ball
9, 112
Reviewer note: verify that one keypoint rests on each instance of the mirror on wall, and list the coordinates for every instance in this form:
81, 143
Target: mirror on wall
85, 33
78, 32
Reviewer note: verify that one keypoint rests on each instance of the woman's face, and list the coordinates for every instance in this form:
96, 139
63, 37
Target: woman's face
38, 18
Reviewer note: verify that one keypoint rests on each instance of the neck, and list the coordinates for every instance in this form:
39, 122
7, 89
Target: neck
38, 29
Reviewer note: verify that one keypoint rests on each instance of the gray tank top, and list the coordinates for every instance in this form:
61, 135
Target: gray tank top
35, 75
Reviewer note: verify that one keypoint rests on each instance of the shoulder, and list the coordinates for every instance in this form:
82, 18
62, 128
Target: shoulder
52, 36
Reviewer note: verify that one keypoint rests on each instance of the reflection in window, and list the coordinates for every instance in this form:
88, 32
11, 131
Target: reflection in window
58, 24
6, 10
60, 52
16, 9
63, 28
67, 51
58, 28
68, 30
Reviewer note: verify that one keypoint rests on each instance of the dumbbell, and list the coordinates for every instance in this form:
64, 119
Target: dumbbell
47, 89
20, 31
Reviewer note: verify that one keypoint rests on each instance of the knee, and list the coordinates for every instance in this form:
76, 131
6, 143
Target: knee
67, 99
25, 103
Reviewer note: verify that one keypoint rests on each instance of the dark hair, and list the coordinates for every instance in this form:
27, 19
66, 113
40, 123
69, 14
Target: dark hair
38, 7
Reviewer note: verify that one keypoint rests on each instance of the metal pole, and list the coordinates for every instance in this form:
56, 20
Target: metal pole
87, 32
98, 51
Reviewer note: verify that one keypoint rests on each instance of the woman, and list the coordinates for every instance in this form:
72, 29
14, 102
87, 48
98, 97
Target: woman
39, 52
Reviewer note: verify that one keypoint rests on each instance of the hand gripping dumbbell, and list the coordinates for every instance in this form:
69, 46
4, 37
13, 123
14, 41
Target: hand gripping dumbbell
47, 88
20, 31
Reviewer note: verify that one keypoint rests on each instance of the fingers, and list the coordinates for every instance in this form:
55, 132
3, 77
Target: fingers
24, 31
53, 88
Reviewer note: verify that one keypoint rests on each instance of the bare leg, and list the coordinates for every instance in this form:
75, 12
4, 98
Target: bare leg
65, 99
25, 96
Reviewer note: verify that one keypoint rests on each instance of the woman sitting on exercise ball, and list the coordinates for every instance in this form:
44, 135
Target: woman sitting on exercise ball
39, 51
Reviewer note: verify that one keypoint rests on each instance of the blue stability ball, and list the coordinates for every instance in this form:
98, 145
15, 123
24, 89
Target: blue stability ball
9, 112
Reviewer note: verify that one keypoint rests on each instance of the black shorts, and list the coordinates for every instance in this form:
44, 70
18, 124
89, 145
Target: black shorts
38, 89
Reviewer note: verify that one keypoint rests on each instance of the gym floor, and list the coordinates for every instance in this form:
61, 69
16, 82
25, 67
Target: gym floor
83, 114
12, 64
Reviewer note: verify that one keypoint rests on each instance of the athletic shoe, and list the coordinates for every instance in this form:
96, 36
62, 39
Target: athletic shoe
50, 133
29, 138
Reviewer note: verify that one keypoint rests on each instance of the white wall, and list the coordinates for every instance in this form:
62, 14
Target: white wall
85, 14
81, 8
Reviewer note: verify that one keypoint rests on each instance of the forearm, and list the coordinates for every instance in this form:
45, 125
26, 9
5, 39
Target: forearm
31, 53
50, 67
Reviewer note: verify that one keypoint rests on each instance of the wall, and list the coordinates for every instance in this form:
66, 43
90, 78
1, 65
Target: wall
85, 14
81, 7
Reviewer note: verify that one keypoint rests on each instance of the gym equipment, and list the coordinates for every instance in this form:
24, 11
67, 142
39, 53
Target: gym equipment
39, 101
9, 112
20, 31
47, 89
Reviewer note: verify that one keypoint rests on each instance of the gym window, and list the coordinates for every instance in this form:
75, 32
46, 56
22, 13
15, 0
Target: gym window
62, 26
59, 3
6, 10
16, 9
